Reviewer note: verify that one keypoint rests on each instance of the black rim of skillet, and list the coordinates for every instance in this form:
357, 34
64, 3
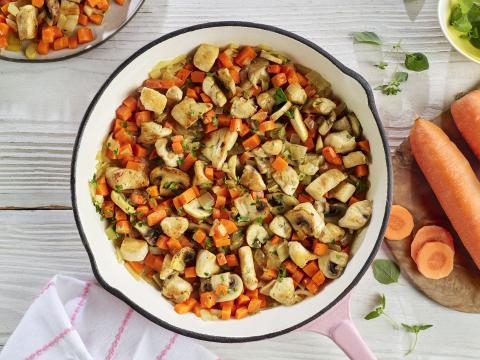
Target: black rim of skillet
196, 335
69, 56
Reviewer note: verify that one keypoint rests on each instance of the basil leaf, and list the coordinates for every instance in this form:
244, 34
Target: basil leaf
279, 97
367, 37
416, 62
400, 76
465, 5
474, 14
385, 271
372, 315
462, 24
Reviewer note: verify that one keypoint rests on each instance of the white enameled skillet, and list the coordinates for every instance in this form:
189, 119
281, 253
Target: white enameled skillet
347, 84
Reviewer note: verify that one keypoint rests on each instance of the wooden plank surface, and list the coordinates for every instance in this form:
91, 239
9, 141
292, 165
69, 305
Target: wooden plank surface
42, 105
35, 245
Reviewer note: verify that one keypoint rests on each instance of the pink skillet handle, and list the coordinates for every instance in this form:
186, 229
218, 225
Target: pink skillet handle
338, 326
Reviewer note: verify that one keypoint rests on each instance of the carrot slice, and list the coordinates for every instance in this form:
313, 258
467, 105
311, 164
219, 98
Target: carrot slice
428, 234
400, 223
435, 260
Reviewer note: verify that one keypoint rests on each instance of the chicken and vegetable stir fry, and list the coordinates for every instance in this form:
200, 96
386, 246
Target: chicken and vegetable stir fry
233, 180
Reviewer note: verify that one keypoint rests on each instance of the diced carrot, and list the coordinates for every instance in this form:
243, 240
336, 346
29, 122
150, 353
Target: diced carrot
232, 260
174, 244
4, 28
123, 227
435, 260
229, 226
267, 126
361, 170
123, 112
97, 19
279, 80
302, 80
131, 103
311, 268
188, 162
136, 266
177, 147
162, 242
235, 74
252, 142
199, 236
400, 223
274, 68
241, 312
226, 312
137, 198
331, 156
155, 217
225, 60
102, 5
242, 300
319, 248
208, 299
279, 164
191, 93
142, 211
427, 234
48, 34
298, 275
245, 56
221, 289
312, 287
84, 35
186, 306
183, 74
197, 76
187, 196
190, 272
72, 42
120, 2
290, 266
38, 3
221, 259
108, 209
102, 188
310, 90
205, 98
120, 214
159, 83
208, 116
305, 198
254, 306
220, 202
125, 151
291, 74
83, 19
209, 172
269, 274
318, 278
364, 145
221, 241
353, 200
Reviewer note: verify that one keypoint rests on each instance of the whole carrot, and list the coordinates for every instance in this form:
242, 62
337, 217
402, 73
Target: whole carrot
466, 114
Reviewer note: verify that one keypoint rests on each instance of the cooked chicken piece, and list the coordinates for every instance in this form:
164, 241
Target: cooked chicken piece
252, 179
257, 73
176, 289
319, 105
250, 209
296, 94
166, 270
27, 22
273, 147
327, 123
53, 7
242, 108
266, 100
170, 180
125, 179
206, 264
280, 112
331, 232
69, 7
217, 146
174, 226
311, 164
287, 179
342, 142
280, 203
357, 215
294, 152
174, 94
298, 125
152, 100
283, 291
150, 132
263, 165
227, 81
343, 191
305, 220
181, 258
210, 88
324, 183
281, 227
133, 249
205, 57
230, 167
188, 111
247, 267
353, 159
169, 157
277, 59
200, 178
299, 254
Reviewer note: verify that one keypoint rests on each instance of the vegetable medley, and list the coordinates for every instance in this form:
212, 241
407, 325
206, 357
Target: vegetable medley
49, 24
233, 180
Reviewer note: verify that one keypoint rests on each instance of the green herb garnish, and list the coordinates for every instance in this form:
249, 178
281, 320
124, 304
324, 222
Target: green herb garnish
386, 271
171, 185
381, 65
279, 97
118, 188
392, 87
367, 37
416, 62
380, 310
94, 180
282, 273
215, 121
180, 161
415, 329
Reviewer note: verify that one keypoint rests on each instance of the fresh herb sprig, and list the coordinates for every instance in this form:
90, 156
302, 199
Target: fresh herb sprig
415, 329
393, 86
380, 310
465, 18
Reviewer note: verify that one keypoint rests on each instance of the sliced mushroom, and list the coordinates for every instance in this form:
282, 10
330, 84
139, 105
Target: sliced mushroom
206, 264
174, 94
333, 263
150, 132
149, 234
210, 88
296, 94
273, 147
182, 258
343, 191
153, 100
283, 291
176, 289
281, 227
188, 111
249, 209
342, 142
332, 232
280, 203
256, 235
232, 281
206, 201
266, 101
237, 240
230, 168
257, 73
242, 108
121, 201
305, 220
133, 249
125, 179
170, 180
194, 209
200, 178
357, 215
299, 254
174, 226
227, 81
280, 112
169, 157
27, 22
217, 146
287, 179
205, 57
353, 159
298, 125
247, 267
252, 179
324, 183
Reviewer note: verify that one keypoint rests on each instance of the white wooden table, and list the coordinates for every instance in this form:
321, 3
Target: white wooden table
38, 237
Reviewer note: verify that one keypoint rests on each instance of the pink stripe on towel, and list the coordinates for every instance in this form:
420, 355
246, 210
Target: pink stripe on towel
85, 292
168, 347
121, 329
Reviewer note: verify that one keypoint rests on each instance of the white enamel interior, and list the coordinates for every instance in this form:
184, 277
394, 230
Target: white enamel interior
96, 129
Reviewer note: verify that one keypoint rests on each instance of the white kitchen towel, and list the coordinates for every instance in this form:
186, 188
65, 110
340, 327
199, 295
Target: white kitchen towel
74, 319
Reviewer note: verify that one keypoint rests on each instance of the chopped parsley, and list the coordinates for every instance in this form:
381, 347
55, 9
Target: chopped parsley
241, 218
94, 180
171, 185
180, 161
118, 188
215, 121
282, 273
279, 97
